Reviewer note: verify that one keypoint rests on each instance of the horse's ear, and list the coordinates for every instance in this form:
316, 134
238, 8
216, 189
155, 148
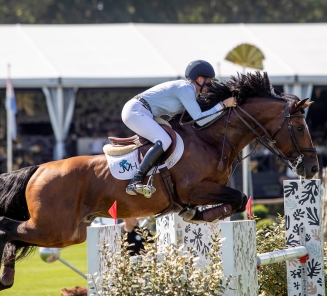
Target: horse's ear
302, 104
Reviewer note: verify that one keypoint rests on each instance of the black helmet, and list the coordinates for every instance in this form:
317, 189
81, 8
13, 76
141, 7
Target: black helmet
199, 68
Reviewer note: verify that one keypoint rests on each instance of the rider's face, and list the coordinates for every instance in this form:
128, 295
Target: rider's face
200, 80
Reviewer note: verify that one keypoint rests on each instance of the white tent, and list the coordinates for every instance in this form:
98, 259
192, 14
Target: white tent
113, 55
61, 58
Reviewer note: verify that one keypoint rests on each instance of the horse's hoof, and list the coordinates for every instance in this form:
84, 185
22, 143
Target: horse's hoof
7, 278
3, 287
188, 214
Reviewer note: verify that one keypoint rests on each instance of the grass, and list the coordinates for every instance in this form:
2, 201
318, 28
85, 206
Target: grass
35, 277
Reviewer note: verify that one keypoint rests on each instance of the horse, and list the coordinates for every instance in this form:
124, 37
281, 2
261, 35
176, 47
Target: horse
52, 204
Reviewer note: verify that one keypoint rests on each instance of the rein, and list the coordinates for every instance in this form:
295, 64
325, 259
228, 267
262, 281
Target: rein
223, 112
267, 140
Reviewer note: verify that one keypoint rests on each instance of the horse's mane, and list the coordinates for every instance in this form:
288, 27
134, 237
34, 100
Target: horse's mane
242, 87
216, 92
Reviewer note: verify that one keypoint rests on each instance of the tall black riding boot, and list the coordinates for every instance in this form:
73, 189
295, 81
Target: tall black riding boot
151, 157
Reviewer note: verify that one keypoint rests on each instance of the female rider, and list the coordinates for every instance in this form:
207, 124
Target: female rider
168, 98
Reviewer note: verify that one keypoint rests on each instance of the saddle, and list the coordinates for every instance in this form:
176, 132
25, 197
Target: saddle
122, 146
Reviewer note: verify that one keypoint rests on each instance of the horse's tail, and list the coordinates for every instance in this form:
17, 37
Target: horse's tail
13, 205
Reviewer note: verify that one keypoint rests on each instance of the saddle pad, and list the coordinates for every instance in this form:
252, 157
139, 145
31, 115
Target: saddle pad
123, 167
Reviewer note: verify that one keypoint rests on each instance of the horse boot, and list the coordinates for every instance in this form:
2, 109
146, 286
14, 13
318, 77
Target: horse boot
136, 184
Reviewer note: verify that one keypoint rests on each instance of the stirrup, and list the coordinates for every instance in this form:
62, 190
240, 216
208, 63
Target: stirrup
146, 190
131, 189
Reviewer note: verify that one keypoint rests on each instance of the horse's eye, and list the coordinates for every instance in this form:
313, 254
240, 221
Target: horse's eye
299, 128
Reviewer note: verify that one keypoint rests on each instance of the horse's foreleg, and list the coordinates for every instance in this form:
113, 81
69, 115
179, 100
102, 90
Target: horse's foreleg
210, 193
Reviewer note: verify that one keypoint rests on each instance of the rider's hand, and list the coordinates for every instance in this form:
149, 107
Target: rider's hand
231, 102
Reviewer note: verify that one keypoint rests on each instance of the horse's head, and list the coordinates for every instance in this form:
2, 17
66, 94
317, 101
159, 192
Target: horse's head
293, 139
285, 122
278, 121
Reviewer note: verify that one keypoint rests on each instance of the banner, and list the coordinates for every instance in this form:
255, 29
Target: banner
11, 108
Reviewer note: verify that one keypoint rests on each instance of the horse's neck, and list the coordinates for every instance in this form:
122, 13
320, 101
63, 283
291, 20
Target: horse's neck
266, 116
235, 133
267, 113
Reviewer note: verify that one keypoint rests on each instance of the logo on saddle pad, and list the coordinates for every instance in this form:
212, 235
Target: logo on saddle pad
126, 166
123, 167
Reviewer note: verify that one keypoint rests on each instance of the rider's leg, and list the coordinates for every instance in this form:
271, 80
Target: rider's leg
141, 121
150, 158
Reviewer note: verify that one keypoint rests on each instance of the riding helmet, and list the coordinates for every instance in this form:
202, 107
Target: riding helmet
199, 68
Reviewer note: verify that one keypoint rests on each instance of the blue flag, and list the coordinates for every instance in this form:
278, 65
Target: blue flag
11, 105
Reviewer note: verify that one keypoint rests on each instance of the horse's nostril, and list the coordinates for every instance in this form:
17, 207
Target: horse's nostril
314, 169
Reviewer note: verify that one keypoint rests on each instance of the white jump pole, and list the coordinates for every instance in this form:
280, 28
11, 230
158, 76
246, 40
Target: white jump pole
281, 255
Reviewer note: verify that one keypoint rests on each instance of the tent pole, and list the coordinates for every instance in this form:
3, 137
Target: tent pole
9, 129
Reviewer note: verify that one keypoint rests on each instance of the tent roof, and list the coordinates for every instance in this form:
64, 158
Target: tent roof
114, 55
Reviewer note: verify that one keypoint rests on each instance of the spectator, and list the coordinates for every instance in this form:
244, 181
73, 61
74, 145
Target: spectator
134, 235
96, 145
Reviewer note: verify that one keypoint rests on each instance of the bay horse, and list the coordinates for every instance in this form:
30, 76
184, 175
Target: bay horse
52, 204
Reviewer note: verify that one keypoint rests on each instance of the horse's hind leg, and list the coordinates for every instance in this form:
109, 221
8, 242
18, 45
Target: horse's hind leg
10, 234
8, 272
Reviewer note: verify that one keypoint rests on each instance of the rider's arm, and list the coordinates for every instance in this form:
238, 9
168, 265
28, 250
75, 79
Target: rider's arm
186, 94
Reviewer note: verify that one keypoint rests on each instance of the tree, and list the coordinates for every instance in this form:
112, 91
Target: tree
156, 11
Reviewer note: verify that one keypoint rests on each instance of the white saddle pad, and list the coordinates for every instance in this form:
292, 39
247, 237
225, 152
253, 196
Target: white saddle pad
123, 167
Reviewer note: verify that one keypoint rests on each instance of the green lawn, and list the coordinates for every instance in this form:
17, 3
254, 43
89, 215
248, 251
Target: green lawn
35, 277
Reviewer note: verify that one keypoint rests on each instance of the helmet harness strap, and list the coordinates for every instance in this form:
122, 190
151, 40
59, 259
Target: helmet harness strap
203, 84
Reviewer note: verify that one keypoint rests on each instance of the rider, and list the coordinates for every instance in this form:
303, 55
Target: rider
168, 98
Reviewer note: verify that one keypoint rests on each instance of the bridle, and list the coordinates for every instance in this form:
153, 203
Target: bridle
268, 140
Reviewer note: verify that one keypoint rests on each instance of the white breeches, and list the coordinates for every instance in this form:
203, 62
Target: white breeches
140, 120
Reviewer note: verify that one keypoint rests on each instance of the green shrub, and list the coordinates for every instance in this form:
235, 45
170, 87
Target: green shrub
262, 223
260, 211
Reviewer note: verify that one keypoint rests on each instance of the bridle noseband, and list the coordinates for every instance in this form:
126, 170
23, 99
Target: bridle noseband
269, 142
